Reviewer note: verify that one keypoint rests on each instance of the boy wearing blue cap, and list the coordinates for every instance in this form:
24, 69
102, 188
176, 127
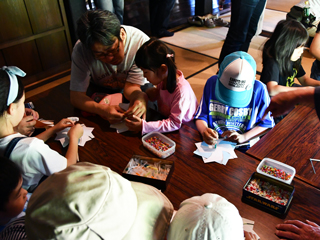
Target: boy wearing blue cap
233, 102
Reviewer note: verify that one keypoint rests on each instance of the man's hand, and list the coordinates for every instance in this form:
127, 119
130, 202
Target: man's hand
284, 102
281, 104
297, 230
134, 123
210, 136
112, 113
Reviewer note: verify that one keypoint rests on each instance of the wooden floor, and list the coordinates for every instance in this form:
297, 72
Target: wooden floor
197, 48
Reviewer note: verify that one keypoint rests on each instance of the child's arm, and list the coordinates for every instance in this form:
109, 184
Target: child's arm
234, 136
74, 134
134, 123
274, 88
315, 45
64, 123
209, 135
152, 94
181, 109
308, 81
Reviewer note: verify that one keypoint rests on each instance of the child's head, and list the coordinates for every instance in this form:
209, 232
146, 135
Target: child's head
89, 201
157, 63
206, 217
11, 92
287, 36
13, 197
236, 79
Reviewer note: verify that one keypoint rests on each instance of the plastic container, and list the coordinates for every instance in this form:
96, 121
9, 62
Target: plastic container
170, 149
161, 163
265, 204
279, 165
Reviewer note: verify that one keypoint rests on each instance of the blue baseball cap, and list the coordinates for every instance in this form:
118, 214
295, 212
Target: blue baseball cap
236, 79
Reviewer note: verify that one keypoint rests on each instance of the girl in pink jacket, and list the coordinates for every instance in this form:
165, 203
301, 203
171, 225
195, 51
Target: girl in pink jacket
173, 93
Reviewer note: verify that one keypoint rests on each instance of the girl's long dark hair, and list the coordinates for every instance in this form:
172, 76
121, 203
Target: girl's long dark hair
287, 36
152, 54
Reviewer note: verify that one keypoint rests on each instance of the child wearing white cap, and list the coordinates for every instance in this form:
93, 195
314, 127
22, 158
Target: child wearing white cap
207, 217
233, 102
89, 201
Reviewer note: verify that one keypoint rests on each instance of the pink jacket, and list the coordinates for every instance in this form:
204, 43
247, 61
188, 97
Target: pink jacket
178, 106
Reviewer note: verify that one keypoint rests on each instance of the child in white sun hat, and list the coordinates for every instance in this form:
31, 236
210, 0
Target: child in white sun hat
89, 201
207, 217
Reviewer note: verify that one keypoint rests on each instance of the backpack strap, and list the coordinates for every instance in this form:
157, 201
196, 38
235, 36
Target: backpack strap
11, 146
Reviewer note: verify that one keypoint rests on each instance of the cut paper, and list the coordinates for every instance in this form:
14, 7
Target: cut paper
220, 153
121, 127
202, 154
248, 226
63, 137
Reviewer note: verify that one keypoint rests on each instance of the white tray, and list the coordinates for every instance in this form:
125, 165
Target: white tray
279, 165
161, 154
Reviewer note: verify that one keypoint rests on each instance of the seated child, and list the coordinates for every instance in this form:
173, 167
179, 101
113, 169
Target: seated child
233, 102
31, 154
13, 197
208, 217
90, 201
174, 95
315, 51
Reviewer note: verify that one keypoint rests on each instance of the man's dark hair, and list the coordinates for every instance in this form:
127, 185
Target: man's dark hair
10, 175
99, 26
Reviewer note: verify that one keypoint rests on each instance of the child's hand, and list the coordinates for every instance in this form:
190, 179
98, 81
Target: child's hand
31, 112
210, 136
137, 109
26, 125
134, 123
76, 131
233, 136
64, 123
250, 236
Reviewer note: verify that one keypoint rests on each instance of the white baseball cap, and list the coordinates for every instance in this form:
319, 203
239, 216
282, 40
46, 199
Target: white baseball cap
206, 217
89, 201
236, 79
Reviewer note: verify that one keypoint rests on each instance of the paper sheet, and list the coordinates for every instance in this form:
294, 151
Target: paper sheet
121, 126
63, 137
248, 226
221, 153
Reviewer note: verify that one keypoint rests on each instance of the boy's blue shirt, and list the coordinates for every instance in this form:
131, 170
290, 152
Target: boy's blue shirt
221, 117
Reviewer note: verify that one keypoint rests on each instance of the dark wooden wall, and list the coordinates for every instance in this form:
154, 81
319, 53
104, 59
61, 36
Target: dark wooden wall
34, 37
38, 35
